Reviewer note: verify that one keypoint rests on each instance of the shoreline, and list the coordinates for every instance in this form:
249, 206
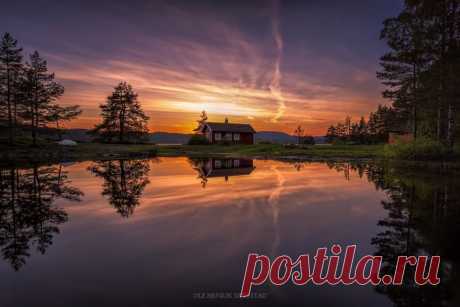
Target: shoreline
52, 153
97, 151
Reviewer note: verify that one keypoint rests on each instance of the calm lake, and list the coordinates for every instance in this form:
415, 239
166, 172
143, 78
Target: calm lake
177, 231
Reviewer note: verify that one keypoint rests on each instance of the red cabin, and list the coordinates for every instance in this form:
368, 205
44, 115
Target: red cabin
227, 133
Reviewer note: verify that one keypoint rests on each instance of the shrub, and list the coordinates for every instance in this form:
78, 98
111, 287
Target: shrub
198, 140
420, 149
308, 140
264, 142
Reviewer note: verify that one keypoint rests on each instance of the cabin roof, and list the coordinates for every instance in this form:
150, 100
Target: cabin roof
227, 127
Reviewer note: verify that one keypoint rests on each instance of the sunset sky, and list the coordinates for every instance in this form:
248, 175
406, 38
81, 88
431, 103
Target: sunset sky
273, 64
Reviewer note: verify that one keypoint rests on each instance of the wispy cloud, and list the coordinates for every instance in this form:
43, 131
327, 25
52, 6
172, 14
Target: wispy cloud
183, 61
275, 85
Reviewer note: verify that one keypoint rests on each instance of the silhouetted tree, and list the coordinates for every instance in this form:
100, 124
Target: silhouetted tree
27, 214
299, 133
403, 65
40, 91
122, 116
422, 217
10, 70
375, 130
421, 71
203, 118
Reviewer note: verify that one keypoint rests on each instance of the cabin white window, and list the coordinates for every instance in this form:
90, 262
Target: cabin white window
217, 164
236, 136
218, 136
236, 163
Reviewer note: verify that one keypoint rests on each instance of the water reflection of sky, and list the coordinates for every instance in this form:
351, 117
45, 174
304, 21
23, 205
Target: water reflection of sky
183, 238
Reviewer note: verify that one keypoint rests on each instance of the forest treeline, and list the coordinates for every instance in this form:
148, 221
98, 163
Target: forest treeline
371, 131
28, 93
421, 74
421, 69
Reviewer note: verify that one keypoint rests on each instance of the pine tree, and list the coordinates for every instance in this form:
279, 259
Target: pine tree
203, 118
348, 126
331, 134
40, 92
122, 116
10, 70
403, 65
299, 133
362, 130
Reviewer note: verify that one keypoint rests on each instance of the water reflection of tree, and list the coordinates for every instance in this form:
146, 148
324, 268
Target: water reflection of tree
423, 218
28, 216
124, 182
197, 165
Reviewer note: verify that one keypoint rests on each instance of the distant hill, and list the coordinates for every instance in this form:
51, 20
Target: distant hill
283, 138
320, 139
275, 137
80, 135
169, 138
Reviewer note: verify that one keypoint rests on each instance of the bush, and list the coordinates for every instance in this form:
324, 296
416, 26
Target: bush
198, 140
264, 142
308, 140
420, 149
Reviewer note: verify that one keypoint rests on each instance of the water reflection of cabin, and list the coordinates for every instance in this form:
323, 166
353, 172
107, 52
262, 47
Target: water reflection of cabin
228, 167
211, 168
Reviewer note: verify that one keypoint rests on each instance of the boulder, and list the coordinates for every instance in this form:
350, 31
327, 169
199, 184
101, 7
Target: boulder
67, 143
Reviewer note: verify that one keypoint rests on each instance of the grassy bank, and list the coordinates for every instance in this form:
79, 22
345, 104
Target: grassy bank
93, 151
273, 151
81, 152
52, 153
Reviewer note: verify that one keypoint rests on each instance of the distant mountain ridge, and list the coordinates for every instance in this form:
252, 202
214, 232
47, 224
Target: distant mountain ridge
275, 137
80, 135
169, 138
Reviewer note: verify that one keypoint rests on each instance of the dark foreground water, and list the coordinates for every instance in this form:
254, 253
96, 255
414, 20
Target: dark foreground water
177, 232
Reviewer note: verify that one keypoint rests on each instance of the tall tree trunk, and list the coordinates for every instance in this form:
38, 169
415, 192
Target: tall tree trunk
122, 120
452, 12
8, 101
450, 126
442, 73
35, 115
15, 116
122, 128
34, 124
439, 122
415, 102
15, 104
